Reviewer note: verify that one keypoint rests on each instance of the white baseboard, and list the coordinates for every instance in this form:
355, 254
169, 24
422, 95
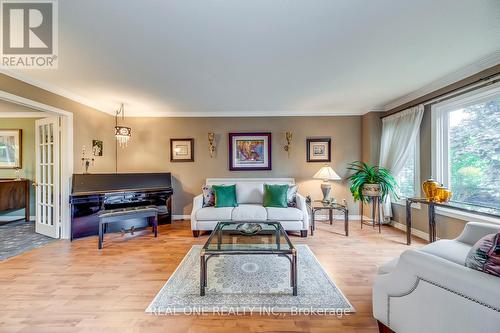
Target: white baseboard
180, 217
414, 232
8, 218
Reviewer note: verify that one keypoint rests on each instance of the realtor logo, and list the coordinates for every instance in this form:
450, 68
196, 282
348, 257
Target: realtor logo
29, 34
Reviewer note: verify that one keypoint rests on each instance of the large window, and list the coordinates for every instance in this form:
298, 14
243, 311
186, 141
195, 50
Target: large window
408, 177
466, 143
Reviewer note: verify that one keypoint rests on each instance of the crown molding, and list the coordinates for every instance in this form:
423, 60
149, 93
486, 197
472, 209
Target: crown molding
20, 114
241, 114
460, 74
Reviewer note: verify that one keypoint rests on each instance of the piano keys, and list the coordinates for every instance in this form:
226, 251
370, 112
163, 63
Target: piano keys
92, 193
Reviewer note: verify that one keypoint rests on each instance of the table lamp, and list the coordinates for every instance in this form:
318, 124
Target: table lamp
326, 173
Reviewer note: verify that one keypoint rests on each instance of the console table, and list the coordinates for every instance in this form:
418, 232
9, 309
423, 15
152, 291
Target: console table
317, 205
431, 205
15, 194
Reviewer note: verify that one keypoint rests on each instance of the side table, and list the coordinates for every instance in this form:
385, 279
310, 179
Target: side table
318, 205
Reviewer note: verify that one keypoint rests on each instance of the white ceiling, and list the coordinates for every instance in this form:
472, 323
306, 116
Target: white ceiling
263, 57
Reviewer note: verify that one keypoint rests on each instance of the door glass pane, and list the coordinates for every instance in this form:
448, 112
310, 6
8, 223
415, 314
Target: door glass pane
51, 133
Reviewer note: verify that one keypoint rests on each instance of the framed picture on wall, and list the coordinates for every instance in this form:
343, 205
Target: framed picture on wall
11, 148
249, 151
319, 150
97, 147
182, 150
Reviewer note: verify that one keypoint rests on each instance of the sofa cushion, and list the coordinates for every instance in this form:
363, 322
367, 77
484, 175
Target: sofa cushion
448, 249
225, 196
208, 196
250, 193
285, 214
214, 214
248, 212
291, 195
275, 195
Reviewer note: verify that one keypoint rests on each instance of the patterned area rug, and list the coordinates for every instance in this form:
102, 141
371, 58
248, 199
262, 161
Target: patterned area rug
18, 237
250, 284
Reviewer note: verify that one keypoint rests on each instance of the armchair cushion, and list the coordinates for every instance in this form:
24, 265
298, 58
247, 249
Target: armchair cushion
448, 249
388, 267
484, 256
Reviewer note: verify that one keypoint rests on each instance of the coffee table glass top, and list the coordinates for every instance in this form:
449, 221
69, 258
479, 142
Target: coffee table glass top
227, 237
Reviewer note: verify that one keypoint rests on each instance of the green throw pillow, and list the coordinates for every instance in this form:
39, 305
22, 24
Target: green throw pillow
275, 196
225, 196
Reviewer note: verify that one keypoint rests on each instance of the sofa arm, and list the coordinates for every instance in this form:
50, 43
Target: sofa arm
474, 231
415, 267
197, 205
301, 204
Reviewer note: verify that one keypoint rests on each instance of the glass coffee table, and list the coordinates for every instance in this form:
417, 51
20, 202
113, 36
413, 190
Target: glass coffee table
232, 238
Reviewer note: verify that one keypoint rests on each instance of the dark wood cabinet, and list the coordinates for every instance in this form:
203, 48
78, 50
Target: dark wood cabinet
15, 194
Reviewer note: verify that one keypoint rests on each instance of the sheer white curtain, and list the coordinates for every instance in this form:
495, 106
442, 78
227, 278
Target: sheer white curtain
399, 132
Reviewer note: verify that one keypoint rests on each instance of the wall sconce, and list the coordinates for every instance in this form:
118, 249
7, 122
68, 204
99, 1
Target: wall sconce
288, 146
86, 161
211, 145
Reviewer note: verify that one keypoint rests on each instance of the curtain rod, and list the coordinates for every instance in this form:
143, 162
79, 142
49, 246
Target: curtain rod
481, 83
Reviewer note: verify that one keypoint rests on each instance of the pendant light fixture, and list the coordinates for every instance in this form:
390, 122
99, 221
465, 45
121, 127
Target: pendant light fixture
122, 133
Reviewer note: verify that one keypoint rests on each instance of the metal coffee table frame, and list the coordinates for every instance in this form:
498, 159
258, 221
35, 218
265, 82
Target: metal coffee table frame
289, 253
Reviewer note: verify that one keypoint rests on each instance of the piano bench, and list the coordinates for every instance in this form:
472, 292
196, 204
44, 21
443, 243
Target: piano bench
122, 214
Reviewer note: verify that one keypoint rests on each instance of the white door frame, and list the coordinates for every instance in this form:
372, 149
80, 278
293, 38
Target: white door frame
66, 152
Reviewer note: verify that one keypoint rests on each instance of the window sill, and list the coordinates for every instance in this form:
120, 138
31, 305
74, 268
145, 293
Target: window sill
402, 202
465, 216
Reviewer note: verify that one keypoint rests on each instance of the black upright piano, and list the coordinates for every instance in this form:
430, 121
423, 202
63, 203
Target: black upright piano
93, 192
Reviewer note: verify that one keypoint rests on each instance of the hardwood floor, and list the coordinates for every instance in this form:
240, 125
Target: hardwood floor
73, 287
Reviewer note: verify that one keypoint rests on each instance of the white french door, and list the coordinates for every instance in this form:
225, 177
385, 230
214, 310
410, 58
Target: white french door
47, 183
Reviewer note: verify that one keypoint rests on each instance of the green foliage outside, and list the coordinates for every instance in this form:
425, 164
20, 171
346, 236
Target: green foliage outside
475, 155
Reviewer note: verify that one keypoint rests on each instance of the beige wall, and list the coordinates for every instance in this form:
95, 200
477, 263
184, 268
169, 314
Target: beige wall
371, 129
149, 150
88, 123
27, 125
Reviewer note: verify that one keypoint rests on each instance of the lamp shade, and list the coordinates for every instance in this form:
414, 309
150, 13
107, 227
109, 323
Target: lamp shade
326, 173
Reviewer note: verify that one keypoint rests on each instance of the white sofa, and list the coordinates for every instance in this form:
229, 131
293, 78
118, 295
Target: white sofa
249, 194
431, 290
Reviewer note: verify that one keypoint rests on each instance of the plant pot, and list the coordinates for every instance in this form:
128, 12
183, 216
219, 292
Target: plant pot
371, 190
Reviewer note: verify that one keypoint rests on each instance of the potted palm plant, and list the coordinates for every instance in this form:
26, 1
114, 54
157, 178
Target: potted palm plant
370, 180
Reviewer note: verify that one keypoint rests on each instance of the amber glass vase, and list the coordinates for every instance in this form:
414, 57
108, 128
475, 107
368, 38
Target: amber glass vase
430, 187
